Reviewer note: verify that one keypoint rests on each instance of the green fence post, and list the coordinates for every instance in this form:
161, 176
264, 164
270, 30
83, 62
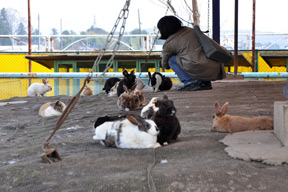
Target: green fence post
256, 60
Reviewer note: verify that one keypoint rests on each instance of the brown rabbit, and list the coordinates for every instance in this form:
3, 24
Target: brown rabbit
227, 123
141, 97
88, 91
128, 101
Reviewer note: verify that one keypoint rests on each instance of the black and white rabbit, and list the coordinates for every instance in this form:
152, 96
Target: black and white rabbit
130, 132
159, 82
128, 81
166, 120
110, 83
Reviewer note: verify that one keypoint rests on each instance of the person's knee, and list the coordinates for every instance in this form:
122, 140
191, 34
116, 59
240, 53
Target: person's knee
172, 61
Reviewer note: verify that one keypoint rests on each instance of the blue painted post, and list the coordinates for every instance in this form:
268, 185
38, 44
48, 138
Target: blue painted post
56, 81
216, 20
287, 64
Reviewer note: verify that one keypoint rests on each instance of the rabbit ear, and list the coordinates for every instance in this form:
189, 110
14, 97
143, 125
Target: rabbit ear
132, 72
149, 74
224, 108
133, 87
158, 103
125, 73
132, 119
126, 88
44, 81
217, 107
137, 120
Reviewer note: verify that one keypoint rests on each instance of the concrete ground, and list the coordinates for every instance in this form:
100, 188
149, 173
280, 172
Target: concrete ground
197, 161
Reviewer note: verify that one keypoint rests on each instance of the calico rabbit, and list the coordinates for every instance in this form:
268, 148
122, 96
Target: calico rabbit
37, 89
130, 132
52, 109
223, 122
159, 82
166, 120
130, 101
150, 108
113, 90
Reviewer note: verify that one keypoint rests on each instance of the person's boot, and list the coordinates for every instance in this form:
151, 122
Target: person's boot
205, 85
191, 87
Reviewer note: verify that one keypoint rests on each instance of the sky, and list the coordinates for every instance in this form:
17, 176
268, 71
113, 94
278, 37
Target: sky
80, 15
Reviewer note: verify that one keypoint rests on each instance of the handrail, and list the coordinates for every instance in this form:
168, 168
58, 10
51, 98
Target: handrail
73, 75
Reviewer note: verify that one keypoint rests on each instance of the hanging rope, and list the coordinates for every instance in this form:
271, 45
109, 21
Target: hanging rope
123, 14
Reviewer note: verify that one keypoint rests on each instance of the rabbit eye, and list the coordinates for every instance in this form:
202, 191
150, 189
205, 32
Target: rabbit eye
213, 116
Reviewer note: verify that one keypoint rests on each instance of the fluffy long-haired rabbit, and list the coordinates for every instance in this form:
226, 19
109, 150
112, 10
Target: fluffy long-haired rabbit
110, 83
159, 82
37, 89
166, 120
141, 97
87, 91
128, 81
150, 108
223, 122
129, 132
130, 101
52, 109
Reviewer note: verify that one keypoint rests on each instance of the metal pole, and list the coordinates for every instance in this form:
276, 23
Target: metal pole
29, 33
29, 38
253, 36
216, 21
236, 39
196, 19
38, 32
139, 22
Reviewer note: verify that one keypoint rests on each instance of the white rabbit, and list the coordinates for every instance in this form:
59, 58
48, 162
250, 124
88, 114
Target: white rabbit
150, 108
52, 109
37, 89
130, 132
223, 122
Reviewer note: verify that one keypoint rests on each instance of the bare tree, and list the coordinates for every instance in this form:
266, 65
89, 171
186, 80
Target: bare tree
185, 10
15, 18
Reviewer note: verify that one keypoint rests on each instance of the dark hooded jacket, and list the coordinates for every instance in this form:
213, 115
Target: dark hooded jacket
191, 57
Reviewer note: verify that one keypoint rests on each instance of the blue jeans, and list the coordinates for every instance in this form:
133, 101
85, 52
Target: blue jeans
182, 75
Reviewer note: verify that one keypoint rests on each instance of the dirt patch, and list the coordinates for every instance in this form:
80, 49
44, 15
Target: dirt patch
196, 162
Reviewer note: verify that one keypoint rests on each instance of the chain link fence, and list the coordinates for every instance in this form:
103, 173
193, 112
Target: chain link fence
268, 61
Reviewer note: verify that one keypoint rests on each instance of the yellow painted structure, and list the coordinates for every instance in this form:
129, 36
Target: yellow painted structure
17, 63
